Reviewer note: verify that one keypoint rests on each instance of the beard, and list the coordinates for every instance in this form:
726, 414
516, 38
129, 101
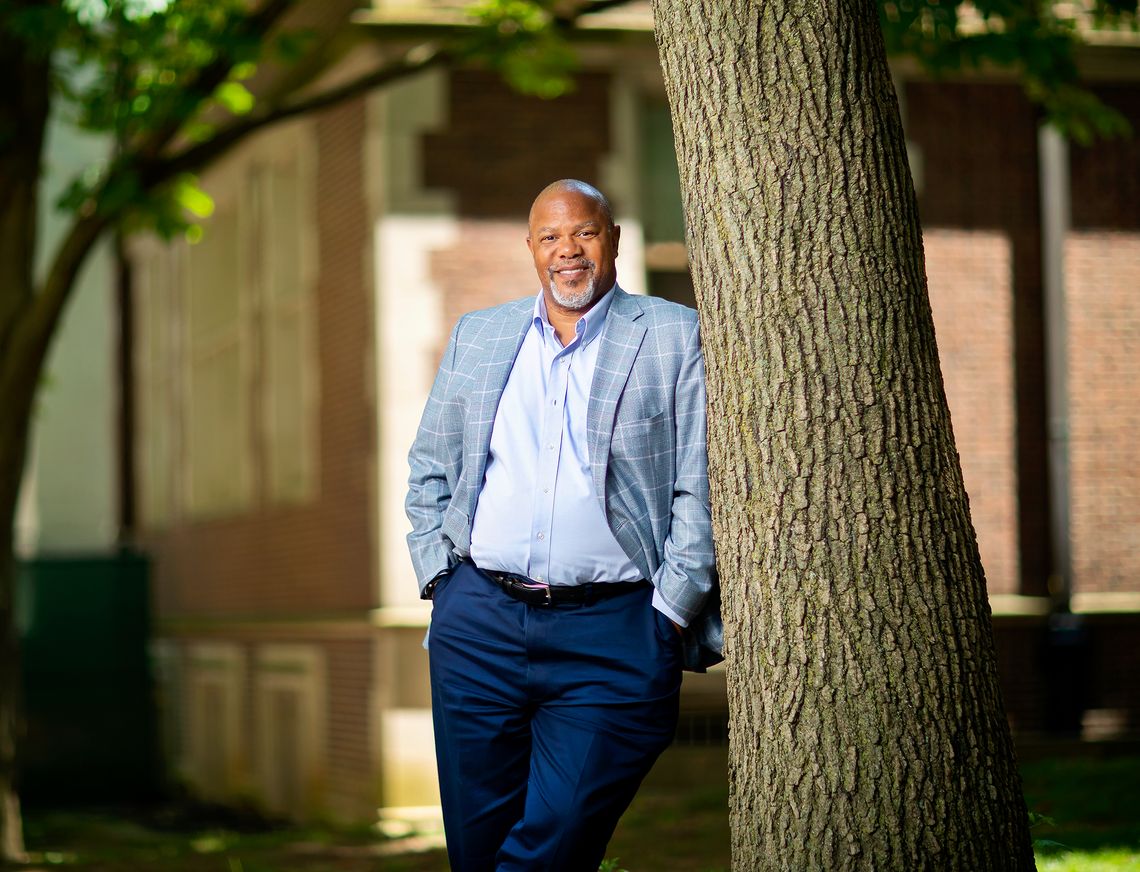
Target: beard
579, 299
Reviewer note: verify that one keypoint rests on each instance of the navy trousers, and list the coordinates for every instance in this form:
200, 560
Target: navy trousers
546, 721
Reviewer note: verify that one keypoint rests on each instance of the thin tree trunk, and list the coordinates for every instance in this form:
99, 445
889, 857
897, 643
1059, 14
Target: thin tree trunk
13, 445
867, 728
23, 117
11, 713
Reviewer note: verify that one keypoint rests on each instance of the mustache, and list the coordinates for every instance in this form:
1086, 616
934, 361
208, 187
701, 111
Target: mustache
581, 263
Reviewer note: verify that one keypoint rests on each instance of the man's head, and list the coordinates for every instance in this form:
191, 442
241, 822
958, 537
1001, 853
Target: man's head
574, 242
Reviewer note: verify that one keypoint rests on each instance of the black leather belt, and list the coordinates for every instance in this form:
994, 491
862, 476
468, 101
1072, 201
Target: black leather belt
539, 593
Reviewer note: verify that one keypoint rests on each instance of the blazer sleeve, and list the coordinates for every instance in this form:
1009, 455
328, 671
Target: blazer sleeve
435, 461
686, 577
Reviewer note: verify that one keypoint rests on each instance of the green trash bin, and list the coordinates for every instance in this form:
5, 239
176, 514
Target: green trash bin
88, 692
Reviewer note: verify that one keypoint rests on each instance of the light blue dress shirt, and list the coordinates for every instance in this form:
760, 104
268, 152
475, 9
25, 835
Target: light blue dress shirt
539, 465
537, 513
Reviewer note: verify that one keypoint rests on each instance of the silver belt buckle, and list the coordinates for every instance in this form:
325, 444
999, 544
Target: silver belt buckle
542, 586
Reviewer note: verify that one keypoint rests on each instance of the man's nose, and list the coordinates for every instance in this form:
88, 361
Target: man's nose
569, 247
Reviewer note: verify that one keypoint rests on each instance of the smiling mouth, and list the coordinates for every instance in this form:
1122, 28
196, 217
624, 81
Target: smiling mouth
570, 273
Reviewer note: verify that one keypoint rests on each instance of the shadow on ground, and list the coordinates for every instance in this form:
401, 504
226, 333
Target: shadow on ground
678, 822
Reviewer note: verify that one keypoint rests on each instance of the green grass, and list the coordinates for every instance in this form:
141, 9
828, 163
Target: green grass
678, 823
1094, 811
195, 839
1107, 860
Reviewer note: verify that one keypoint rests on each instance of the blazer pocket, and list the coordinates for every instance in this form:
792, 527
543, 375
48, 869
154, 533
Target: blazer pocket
638, 425
640, 442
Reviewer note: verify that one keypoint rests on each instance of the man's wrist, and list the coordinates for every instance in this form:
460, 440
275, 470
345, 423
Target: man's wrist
660, 603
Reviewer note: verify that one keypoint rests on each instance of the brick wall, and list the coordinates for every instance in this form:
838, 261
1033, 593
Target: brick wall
1102, 289
500, 148
498, 151
971, 296
1102, 279
980, 217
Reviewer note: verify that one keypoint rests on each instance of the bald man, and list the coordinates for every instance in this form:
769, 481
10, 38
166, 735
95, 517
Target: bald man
560, 525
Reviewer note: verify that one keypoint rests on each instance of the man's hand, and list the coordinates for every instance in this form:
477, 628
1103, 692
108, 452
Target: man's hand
678, 628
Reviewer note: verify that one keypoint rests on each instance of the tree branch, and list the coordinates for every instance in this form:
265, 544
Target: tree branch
600, 6
38, 322
28, 343
568, 18
194, 157
42, 316
206, 81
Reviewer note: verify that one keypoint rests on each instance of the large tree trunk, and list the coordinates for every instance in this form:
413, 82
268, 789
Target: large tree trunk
867, 728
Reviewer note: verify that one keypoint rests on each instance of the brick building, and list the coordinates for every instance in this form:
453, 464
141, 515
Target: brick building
283, 363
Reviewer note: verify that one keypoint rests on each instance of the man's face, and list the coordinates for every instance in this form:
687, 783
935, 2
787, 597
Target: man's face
574, 248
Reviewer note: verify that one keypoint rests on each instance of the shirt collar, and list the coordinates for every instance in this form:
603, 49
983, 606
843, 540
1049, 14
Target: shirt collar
587, 327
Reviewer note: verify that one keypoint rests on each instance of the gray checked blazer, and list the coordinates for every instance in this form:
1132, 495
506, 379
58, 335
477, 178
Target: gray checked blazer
645, 425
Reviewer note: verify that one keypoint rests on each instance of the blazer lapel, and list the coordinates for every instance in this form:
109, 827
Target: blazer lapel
621, 339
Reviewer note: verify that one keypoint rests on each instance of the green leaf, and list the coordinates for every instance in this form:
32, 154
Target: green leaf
235, 97
243, 71
192, 198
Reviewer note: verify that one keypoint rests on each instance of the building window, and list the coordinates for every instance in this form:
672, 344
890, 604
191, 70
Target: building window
218, 414
286, 297
214, 759
227, 344
158, 295
290, 705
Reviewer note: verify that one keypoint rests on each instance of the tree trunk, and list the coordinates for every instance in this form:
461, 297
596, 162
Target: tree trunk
23, 116
867, 728
11, 720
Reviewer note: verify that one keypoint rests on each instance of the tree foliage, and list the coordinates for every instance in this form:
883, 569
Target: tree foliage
1036, 41
167, 79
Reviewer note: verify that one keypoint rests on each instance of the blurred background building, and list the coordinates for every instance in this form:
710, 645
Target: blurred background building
279, 368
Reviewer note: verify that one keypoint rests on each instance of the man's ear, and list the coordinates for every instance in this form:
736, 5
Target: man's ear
617, 238
529, 247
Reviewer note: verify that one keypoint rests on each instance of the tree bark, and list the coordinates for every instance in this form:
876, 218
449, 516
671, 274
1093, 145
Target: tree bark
867, 728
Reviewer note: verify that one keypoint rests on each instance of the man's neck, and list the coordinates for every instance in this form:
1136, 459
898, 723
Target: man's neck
563, 320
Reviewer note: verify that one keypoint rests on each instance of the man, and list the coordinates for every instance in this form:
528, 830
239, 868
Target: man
560, 513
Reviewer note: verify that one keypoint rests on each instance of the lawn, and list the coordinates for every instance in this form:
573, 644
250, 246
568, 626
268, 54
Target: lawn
678, 822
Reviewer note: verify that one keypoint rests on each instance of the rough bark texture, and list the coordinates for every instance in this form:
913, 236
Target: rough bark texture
867, 728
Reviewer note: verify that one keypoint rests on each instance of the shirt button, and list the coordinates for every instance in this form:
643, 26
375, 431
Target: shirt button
546, 490
550, 447
541, 535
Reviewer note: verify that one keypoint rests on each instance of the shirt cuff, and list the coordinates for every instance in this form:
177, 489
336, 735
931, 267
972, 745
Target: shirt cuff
665, 609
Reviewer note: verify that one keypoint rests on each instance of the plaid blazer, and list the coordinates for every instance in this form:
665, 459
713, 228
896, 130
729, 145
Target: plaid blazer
645, 426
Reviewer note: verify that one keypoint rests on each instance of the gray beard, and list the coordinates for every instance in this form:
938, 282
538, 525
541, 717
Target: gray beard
576, 301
